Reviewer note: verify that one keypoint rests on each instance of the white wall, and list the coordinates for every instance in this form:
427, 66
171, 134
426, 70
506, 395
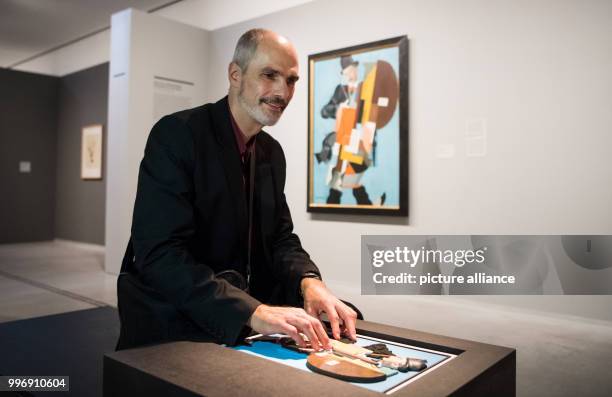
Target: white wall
536, 71
142, 46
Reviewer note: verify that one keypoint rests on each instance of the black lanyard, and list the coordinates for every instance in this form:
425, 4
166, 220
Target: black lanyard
251, 194
234, 277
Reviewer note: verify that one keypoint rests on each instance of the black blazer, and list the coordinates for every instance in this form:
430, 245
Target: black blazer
190, 222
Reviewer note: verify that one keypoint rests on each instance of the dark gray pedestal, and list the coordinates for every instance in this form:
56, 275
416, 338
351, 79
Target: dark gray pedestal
206, 369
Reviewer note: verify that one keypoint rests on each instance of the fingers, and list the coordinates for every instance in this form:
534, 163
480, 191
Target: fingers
349, 318
294, 322
294, 334
316, 314
312, 328
334, 320
311, 310
322, 334
318, 327
307, 328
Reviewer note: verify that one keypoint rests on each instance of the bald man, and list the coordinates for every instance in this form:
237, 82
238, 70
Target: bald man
212, 255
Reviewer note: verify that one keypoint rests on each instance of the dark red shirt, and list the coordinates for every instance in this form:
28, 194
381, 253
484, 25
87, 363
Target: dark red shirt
243, 147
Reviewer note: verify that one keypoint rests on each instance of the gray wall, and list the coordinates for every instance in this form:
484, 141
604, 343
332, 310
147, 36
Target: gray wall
28, 113
40, 121
80, 204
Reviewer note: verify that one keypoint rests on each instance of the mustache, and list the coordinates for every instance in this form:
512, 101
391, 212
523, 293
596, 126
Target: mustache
276, 101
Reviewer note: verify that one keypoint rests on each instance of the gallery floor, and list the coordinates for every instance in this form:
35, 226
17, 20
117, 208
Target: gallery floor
557, 355
43, 278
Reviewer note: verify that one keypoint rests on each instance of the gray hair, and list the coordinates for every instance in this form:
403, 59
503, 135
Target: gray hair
247, 46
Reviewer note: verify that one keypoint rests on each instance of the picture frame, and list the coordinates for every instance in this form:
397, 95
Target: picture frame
92, 141
358, 129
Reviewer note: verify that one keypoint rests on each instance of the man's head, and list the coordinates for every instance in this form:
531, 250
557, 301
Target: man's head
349, 70
262, 75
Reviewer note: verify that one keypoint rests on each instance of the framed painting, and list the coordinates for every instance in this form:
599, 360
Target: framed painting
358, 129
91, 152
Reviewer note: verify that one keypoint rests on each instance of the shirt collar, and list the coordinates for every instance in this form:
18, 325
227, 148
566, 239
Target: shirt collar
242, 145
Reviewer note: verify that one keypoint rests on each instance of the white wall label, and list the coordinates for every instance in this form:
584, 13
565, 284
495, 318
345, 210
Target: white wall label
171, 95
476, 137
25, 167
445, 151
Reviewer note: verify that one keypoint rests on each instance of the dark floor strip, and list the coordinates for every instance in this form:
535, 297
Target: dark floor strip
50, 288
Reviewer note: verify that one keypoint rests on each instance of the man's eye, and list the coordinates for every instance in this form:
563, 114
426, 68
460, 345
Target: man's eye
270, 75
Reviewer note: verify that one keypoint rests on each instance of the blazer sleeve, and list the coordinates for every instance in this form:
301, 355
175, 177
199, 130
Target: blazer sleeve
289, 260
164, 222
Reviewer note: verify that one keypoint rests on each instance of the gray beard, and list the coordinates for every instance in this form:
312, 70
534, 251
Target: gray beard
256, 112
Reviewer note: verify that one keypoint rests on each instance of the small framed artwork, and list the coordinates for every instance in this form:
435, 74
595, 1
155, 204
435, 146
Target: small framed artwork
91, 152
358, 129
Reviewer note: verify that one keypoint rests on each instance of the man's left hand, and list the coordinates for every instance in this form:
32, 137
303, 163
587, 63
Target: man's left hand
318, 299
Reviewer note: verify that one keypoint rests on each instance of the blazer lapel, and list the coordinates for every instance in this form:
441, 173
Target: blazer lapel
230, 158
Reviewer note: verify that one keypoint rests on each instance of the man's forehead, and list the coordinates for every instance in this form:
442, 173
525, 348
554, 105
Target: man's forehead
277, 55
280, 61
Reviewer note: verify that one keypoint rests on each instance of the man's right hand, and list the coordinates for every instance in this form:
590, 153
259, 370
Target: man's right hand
291, 321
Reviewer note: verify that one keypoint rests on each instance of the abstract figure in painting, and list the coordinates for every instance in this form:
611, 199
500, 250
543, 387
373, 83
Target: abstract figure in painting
358, 107
357, 136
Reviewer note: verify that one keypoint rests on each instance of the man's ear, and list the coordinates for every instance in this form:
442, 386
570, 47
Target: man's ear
234, 74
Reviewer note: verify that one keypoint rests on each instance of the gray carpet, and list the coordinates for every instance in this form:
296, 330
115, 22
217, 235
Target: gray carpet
71, 344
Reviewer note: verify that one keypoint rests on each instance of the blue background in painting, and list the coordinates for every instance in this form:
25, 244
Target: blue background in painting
384, 176
274, 352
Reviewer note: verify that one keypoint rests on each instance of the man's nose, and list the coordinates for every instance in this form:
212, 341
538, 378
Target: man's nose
283, 90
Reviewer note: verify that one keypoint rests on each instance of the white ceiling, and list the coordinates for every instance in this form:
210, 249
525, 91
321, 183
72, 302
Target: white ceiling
29, 27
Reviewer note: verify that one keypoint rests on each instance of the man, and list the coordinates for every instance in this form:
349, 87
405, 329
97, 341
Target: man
212, 253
